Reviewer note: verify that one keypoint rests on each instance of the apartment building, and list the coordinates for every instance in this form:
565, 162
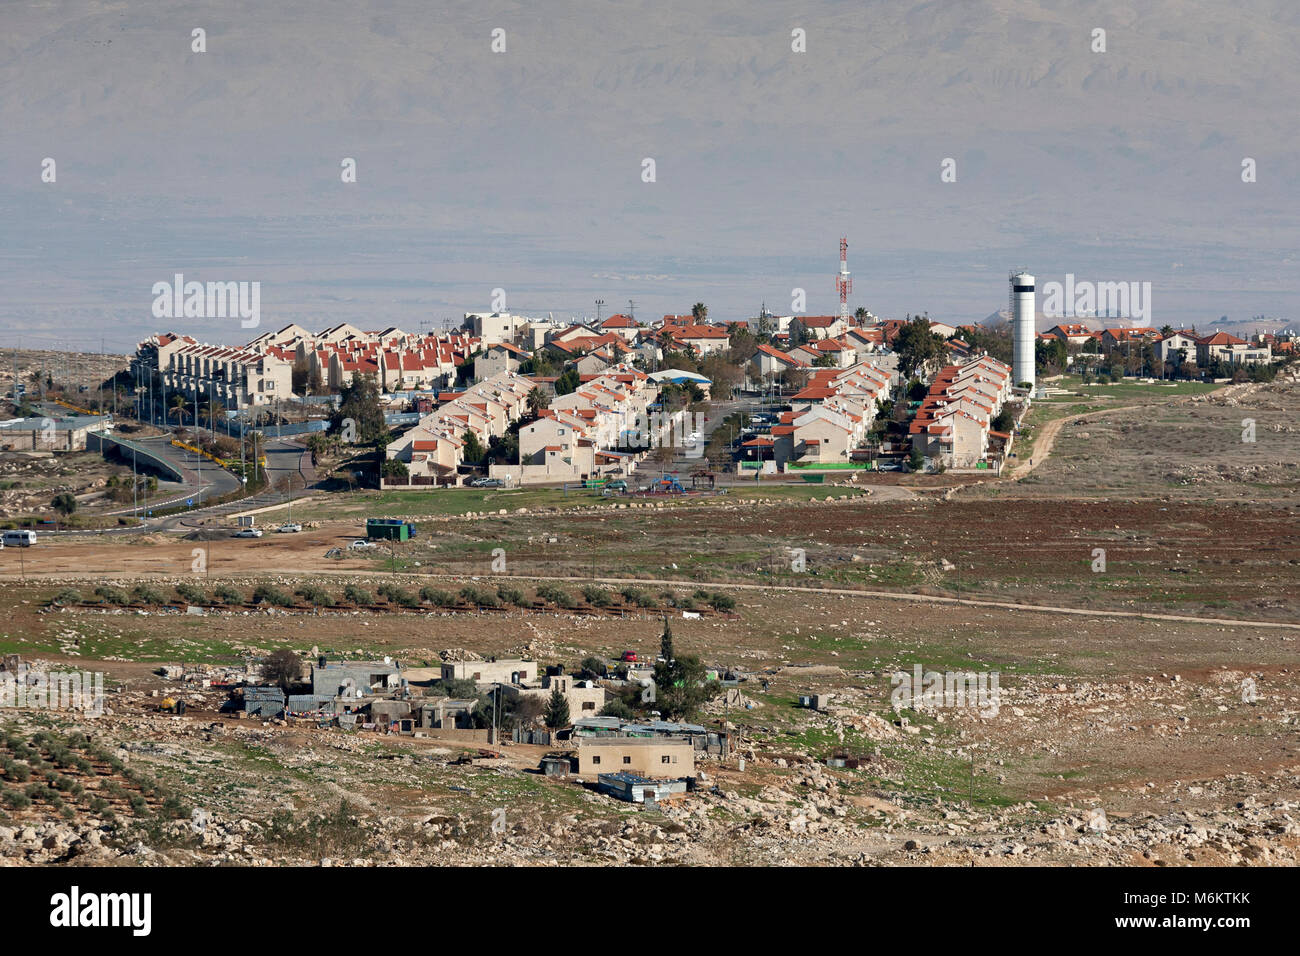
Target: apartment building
233, 376
700, 339
497, 358
819, 326
1177, 347
1222, 347
261, 372
493, 327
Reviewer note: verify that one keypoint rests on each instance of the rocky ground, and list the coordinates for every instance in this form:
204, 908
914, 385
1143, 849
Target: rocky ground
261, 793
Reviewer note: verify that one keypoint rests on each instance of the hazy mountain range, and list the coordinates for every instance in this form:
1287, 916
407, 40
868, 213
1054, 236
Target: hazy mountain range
522, 170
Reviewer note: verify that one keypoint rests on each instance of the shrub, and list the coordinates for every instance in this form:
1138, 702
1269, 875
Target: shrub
632, 595
510, 595
556, 596
191, 593
437, 598
15, 800
596, 597
357, 595
67, 596
479, 597
404, 597
270, 594
315, 595
148, 594
227, 594
112, 595
722, 602
400, 596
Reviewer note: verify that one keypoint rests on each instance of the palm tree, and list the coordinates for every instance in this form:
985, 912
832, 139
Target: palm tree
178, 408
700, 312
537, 400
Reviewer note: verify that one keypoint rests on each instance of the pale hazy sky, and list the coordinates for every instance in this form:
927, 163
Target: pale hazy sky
523, 169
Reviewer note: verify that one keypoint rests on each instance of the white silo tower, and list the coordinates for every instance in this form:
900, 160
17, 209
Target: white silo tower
1023, 329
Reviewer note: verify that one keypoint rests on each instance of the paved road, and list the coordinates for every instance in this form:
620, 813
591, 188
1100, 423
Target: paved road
205, 481
684, 463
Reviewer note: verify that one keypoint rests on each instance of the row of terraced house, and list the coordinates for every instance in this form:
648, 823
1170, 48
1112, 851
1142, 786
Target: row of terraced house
580, 433
953, 426
576, 437
829, 418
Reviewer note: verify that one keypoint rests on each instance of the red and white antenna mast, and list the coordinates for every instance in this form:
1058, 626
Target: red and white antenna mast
842, 281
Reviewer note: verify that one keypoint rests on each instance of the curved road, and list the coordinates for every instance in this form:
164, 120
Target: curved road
205, 480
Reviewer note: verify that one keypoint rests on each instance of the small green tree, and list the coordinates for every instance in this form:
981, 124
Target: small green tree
916, 461
473, 451
568, 382
557, 710
227, 594
64, 503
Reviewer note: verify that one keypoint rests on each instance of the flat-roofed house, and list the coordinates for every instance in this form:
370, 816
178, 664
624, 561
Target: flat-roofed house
645, 756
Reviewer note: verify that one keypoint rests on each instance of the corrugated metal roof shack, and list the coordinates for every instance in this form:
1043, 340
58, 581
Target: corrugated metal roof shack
263, 701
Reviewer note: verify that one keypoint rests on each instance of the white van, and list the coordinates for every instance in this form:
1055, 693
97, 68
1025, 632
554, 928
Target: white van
19, 539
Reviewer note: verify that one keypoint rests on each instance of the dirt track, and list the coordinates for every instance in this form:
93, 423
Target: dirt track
1047, 437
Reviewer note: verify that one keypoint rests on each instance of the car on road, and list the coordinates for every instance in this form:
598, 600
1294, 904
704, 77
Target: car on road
291, 527
248, 533
361, 544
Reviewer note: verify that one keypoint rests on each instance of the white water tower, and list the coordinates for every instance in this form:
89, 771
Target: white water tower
1023, 329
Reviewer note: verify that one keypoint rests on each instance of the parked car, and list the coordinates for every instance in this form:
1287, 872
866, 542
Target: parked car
628, 657
361, 543
248, 533
487, 483
289, 528
618, 484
